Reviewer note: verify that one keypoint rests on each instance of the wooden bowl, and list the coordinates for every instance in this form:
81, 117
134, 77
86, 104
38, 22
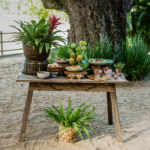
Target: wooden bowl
55, 69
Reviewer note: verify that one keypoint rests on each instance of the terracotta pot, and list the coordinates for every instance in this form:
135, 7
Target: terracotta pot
118, 71
33, 54
68, 135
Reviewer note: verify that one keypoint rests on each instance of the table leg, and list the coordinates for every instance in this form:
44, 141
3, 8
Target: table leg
25, 115
109, 109
116, 116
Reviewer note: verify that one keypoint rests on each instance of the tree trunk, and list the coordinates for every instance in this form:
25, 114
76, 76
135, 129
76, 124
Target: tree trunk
94, 19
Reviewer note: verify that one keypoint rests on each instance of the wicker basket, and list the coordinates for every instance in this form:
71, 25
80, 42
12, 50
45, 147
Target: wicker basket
68, 135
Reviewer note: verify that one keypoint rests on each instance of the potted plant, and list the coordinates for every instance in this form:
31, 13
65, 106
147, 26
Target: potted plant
73, 122
37, 39
118, 67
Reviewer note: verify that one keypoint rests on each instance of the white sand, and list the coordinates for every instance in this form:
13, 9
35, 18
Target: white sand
134, 109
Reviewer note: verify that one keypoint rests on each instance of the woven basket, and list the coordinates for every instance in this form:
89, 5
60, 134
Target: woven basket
68, 135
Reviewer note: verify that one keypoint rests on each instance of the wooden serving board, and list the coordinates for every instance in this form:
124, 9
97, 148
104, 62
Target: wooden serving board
82, 72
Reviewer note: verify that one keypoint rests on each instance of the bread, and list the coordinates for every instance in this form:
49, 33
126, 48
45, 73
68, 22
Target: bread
98, 79
106, 77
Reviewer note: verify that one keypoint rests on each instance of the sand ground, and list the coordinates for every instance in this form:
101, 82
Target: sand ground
134, 109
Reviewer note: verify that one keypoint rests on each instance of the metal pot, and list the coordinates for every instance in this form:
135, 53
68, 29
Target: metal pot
118, 70
33, 54
33, 66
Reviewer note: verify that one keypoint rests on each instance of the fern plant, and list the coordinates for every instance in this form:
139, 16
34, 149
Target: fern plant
74, 118
38, 34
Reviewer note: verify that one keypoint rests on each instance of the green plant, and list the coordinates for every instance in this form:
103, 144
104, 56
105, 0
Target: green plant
100, 49
138, 20
75, 118
37, 34
136, 59
119, 65
63, 52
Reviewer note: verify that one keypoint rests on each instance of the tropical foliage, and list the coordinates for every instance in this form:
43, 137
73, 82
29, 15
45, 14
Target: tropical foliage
75, 118
63, 52
100, 49
38, 34
136, 59
138, 21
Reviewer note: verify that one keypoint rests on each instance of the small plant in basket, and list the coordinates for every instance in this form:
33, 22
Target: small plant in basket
118, 67
73, 122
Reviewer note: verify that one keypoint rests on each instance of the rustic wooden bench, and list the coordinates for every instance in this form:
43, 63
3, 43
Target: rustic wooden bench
62, 83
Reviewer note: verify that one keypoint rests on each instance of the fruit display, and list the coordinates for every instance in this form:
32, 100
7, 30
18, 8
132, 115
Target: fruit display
77, 52
100, 61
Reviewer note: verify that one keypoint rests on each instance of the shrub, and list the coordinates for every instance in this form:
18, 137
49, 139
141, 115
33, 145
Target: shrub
136, 58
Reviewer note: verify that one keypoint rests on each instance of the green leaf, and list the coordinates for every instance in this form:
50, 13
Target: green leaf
89, 127
41, 47
87, 133
64, 128
76, 129
62, 110
83, 110
86, 114
47, 47
69, 111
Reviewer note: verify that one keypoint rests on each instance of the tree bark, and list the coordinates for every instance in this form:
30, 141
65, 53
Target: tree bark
94, 19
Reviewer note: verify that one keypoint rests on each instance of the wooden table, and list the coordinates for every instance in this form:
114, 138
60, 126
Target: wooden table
61, 83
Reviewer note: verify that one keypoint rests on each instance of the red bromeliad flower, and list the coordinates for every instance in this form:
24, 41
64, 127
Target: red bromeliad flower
54, 23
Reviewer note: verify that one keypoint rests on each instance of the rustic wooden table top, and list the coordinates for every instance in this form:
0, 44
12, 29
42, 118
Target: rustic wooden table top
61, 79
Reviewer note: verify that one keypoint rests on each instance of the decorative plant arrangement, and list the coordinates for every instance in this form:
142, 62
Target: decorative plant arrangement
73, 122
77, 53
39, 34
119, 65
37, 39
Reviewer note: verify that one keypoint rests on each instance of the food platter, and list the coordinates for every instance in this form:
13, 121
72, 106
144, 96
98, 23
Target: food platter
61, 60
100, 61
74, 70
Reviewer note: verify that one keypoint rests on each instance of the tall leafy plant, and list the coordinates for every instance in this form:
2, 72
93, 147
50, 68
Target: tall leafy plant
63, 52
101, 49
136, 59
39, 34
74, 118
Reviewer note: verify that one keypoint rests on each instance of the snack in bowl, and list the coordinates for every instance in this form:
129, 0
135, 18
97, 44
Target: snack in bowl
54, 67
61, 59
75, 67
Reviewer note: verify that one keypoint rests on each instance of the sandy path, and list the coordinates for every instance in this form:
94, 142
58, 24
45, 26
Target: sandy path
134, 108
